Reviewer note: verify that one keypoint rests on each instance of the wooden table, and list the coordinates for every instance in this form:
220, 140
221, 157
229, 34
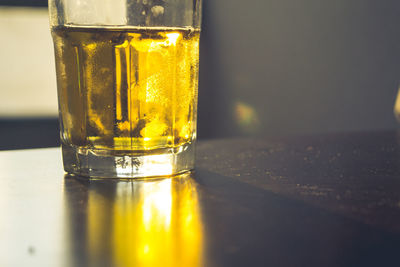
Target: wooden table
325, 200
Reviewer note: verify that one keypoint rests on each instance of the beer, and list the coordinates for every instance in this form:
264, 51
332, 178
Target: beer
125, 89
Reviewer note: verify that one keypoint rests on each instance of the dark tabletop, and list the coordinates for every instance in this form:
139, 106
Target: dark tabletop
325, 200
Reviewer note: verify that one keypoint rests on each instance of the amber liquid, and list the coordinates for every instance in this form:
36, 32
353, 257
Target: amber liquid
130, 89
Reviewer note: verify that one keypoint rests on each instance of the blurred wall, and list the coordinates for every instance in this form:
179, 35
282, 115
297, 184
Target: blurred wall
27, 68
271, 67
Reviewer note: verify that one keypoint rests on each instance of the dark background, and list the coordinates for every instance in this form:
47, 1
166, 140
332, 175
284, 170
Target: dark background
281, 67
310, 66
39, 3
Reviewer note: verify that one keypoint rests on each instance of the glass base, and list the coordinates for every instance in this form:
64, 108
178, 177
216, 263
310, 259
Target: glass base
97, 163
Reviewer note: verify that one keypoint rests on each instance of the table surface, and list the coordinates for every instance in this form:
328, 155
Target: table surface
325, 200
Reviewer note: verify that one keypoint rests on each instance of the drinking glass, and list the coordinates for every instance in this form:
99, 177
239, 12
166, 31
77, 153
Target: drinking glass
127, 80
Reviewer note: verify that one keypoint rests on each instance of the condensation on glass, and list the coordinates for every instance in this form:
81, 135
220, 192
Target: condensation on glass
127, 78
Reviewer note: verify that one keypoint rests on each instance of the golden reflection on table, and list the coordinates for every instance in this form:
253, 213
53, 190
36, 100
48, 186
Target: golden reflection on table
137, 222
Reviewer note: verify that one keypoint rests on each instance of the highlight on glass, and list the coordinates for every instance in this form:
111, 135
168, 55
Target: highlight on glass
127, 79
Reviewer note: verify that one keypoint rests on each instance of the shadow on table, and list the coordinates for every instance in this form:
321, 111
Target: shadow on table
212, 220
